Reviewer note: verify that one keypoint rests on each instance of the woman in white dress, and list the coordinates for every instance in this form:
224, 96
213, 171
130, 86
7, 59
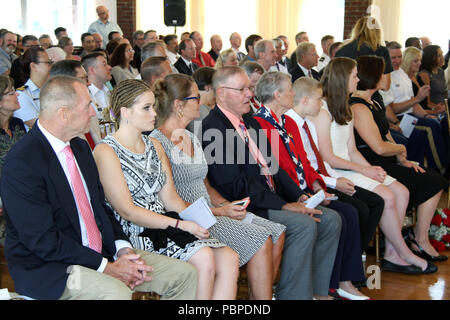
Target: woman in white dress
337, 146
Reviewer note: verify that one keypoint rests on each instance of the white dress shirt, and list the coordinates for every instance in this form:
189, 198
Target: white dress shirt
279, 67
58, 147
332, 179
29, 102
401, 89
305, 71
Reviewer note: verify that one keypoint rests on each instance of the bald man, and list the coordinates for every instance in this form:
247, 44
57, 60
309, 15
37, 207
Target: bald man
103, 25
216, 46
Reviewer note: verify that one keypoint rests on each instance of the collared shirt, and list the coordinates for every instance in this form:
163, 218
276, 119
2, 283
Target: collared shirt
173, 57
100, 99
401, 89
305, 71
323, 62
6, 61
332, 179
279, 67
240, 55
188, 63
254, 150
104, 29
58, 147
29, 102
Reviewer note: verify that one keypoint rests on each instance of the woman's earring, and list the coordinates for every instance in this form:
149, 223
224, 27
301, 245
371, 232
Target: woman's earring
180, 113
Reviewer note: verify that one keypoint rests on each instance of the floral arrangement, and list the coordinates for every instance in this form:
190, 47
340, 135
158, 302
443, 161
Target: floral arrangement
440, 229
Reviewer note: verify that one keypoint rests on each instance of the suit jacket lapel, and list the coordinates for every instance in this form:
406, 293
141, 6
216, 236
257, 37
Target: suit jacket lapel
59, 179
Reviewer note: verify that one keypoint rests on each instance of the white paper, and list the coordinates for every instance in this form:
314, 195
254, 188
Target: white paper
315, 200
407, 124
4, 294
200, 213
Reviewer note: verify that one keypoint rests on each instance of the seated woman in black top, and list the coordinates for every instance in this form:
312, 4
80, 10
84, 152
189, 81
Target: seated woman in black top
11, 128
376, 144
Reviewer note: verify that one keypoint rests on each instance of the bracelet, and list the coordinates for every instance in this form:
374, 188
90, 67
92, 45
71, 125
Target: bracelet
176, 224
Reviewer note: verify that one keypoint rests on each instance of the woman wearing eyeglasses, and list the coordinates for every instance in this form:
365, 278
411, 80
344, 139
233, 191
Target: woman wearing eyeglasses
37, 69
11, 129
121, 59
259, 242
138, 184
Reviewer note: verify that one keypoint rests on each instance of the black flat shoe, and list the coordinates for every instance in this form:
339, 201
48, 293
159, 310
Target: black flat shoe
431, 268
410, 240
408, 269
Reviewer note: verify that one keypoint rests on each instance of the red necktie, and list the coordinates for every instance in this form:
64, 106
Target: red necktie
94, 236
320, 163
90, 140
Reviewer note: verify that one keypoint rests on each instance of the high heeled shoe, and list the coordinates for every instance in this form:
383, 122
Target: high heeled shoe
411, 240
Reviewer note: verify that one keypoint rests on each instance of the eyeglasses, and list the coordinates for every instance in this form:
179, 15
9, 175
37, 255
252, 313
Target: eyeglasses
130, 50
193, 98
241, 90
49, 62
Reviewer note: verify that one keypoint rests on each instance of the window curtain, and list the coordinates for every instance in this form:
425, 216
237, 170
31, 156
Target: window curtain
389, 13
195, 12
279, 17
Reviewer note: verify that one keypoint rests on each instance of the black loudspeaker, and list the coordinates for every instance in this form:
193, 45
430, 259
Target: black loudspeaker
175, 13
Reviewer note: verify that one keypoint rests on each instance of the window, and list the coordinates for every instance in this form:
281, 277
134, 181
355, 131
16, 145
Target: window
43, 16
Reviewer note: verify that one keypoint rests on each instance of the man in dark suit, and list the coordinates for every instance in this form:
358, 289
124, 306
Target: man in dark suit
240, 165
307, 58
62, 241
187, 51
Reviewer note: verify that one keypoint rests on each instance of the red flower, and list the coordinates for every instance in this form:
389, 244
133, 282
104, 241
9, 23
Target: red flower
446, 238
437, 220
447, 221
446, 211
438, 245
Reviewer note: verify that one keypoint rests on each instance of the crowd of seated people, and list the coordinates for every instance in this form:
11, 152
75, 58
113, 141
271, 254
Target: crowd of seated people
256, 135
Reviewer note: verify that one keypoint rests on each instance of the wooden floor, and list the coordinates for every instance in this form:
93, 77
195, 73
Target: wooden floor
395, 286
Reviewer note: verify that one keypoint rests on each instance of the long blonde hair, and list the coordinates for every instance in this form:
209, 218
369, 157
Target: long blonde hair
367, 30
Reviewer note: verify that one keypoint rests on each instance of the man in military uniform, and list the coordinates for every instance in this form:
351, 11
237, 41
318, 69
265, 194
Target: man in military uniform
324, 59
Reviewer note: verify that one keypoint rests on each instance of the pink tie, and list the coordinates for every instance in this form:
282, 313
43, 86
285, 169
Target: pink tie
94, 237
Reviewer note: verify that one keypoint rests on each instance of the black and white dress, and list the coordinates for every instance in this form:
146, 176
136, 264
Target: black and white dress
145, 178
189, 174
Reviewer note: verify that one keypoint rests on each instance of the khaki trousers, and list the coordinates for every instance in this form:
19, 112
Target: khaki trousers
173, 279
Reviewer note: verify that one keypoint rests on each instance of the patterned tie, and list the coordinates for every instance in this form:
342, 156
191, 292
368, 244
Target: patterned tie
320, 163
94, 237
263, 166
309, 74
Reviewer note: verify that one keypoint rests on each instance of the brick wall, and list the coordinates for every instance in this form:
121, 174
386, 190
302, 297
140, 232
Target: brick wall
126, 17
354, 9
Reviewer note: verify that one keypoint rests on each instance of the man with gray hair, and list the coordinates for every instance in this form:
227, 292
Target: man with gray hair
307, 58
72, 247
300, 37
243, 164
155, 49
155, 68
138, 43
7, 56
279, 64
265, 53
